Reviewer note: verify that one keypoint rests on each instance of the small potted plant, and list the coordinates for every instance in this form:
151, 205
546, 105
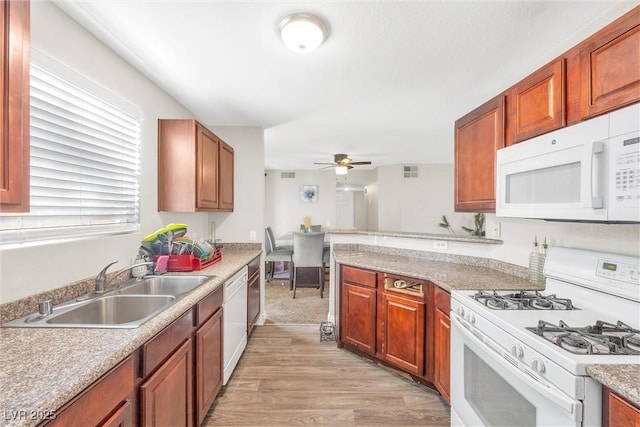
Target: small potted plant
478, 229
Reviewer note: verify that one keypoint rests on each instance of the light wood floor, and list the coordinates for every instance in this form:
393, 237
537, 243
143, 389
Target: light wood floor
288, 377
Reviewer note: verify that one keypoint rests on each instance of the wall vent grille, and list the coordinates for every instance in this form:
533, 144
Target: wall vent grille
410, 171
287, 175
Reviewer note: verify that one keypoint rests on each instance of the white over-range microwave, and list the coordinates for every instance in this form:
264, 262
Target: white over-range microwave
586, 172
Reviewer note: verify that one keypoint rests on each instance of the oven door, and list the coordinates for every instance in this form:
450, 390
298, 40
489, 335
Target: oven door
487, 390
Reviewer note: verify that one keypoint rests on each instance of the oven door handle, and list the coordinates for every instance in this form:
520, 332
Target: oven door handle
562, 401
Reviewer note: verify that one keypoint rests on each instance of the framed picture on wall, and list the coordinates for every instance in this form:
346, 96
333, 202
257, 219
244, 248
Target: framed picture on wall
309, 193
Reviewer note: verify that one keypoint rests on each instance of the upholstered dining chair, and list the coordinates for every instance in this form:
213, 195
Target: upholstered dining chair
274, 253
307, 255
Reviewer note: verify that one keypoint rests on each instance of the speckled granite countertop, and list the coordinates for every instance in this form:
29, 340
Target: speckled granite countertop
43, 368
623, 379
450, 272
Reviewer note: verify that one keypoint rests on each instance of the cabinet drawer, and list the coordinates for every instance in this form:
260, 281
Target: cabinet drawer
162, 345
100, 399
359, 276
208, 305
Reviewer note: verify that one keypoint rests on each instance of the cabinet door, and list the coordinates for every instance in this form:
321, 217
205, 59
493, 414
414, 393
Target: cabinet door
403, 332
14, 108
537, 104
617, 411
610, 66
166, 397
206, 169
123, 417
226, 177
208, 364
358, 317
442, 331
478, 136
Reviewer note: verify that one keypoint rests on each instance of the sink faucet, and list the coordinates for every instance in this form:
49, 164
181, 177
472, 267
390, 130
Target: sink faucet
101, 279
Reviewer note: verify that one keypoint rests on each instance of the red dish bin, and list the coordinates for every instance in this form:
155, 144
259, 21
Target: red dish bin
189, 262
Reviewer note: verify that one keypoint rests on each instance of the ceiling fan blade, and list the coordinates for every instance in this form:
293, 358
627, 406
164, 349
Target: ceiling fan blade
323, 163
360, 163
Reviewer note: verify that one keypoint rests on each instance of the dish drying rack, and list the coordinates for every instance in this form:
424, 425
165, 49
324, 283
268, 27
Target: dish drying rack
190, 263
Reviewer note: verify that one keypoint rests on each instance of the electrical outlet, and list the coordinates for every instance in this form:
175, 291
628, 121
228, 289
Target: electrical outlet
496, 229
252, 236
440, 244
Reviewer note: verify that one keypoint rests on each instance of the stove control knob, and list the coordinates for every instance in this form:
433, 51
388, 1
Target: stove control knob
461, 312
538, 365
517, 351
472, 318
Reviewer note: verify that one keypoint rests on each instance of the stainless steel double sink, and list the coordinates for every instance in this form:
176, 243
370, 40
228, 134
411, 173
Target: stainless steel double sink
129, 306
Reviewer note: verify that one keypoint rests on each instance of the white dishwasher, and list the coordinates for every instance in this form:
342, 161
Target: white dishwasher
235, 321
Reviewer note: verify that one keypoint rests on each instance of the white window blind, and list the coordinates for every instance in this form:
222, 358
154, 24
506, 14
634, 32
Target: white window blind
85, 165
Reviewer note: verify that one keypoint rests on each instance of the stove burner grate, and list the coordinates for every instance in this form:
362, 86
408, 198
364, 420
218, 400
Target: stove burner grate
600, 338
523, 300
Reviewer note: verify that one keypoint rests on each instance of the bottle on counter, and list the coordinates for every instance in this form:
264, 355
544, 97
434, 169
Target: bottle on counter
542, 256
534, 260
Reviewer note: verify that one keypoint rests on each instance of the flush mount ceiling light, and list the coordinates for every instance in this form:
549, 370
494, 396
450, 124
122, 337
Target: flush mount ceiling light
341, 170
302, 32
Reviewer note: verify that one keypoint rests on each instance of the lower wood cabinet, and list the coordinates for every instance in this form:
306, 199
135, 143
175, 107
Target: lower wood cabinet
253, 296
166, 397
401, 332
399, 321
171, 380
617, 411
107, 402
208, 340
358, 309
441, 341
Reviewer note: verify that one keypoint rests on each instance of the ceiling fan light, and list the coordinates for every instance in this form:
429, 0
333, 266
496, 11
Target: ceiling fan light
341, 170
302, 32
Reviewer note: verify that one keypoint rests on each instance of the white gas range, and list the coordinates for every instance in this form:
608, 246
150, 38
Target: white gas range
520, 358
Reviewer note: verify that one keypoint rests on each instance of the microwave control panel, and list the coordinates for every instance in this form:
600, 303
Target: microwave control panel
626, 171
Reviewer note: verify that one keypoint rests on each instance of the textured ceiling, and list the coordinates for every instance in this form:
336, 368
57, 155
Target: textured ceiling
386, 86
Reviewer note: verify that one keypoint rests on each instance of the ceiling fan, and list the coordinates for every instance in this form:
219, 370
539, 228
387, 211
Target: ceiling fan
342, 163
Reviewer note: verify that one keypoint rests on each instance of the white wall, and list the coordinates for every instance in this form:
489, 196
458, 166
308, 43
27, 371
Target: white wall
31, 270
248, 214
417, 204
284, 210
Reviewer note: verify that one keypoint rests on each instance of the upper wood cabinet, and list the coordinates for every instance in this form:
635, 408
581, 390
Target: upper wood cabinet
478, 135
610, 66
195, 168
537, 104
14, 108
225, 185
